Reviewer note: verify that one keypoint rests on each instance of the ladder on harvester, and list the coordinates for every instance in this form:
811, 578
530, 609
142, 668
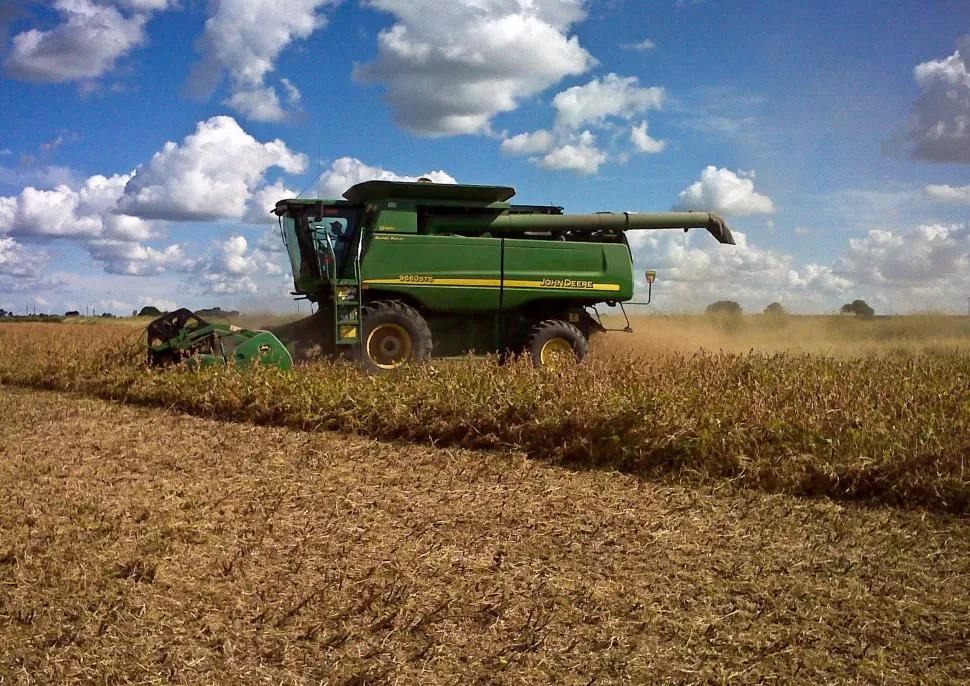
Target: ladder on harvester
346, 293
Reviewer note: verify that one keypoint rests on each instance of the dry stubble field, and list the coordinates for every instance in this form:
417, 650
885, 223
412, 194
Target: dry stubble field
641, 518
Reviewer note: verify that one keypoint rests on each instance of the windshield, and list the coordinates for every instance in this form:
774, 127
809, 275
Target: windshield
288, 229
319, 245
334, 230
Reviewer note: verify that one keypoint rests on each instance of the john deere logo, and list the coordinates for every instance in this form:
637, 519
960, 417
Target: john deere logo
566, 283
651, 276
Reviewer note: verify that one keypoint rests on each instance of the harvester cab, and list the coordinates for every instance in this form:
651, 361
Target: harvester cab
404, 271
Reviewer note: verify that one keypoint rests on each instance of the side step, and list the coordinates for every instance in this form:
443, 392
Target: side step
347, 315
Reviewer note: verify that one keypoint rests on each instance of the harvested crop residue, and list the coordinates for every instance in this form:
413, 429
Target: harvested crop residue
141, 545
307, 339
844, 336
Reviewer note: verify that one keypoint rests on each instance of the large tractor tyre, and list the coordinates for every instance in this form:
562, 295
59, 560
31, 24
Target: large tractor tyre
394, 335
553, 342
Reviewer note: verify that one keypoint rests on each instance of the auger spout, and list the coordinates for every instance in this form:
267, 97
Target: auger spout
584, 223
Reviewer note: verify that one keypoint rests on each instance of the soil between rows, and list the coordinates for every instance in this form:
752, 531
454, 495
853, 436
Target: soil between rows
145, 546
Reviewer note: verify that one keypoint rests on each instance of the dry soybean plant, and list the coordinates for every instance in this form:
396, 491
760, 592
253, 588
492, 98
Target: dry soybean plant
891, 427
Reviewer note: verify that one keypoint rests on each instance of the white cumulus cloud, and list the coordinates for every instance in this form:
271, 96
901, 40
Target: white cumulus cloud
18, 262
612, 96
724, 191
238, 269
8, 213
244, 38
640, 46
135, 259
258, 104
930, 254
939, 127
581, 156
85, 45
52, 213
214, 174
529, 143
150, 5
925, 267
957, 195
63, 212
260, 205
449, 68
211, 175
642, 142
694, 270
601, 105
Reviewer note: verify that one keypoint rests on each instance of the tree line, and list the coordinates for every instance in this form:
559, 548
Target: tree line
730, 308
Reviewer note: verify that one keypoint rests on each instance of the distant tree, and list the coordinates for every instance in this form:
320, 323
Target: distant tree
858, 307
4, 313
107, 315
72, 313
134, 313
149, 311
775, 309
726, 308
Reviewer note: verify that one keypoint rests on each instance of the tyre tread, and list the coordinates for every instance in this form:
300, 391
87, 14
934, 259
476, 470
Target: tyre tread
422, 343
580, 343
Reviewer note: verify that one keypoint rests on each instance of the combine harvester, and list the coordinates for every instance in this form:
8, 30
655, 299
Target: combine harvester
402, 272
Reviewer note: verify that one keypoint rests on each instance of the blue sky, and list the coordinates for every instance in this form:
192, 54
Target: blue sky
143, 141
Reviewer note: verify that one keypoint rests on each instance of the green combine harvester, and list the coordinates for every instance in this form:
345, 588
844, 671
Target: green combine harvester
402, 272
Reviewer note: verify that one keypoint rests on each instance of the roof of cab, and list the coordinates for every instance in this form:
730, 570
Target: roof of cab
374, 190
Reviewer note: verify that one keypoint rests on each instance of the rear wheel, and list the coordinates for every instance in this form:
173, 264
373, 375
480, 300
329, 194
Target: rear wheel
554, 343
394, 335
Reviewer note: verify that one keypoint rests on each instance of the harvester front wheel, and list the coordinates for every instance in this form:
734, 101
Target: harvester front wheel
394, 335
554, 342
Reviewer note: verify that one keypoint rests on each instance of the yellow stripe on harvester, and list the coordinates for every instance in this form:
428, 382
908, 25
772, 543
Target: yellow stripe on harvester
433, 281
555, 284
568, 284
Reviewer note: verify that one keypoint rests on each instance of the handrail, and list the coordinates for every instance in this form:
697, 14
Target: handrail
330, 264
360, 246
